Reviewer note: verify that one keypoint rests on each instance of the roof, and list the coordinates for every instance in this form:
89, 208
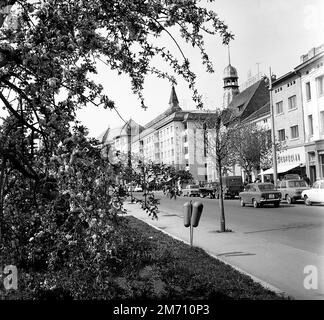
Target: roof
263, 111
174, 107
130, 127
173, 101
229, 72
248, 101
283, 78
309, 61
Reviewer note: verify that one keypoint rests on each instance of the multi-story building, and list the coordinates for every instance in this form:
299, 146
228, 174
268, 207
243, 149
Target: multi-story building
288, 125
298, 105
120, 139
311, 73
174, 137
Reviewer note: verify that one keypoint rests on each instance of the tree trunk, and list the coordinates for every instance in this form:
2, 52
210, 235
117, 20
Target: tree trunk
2, 179
221, 198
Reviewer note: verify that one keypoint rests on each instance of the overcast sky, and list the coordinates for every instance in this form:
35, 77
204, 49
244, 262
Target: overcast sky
272, 33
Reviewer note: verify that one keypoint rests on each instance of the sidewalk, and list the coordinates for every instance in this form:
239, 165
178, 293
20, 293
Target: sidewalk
276, 266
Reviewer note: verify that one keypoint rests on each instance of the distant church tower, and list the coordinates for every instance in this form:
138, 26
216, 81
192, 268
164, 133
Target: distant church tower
230, 78
173, 101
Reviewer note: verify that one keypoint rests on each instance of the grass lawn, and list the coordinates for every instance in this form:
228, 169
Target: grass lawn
188, 272
144, 264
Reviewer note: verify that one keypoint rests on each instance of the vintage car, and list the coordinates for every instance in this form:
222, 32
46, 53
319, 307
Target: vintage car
259, 194
291, 189
191, 190
209, 190
315, 194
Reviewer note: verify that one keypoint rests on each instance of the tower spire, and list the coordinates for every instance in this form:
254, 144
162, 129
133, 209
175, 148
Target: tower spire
230, 78
173, 102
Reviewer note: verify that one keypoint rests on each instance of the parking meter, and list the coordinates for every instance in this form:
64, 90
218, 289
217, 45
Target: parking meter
191, 216
197, 209
187, 212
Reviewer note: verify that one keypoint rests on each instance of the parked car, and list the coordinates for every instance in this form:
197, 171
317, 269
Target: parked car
209, 190
138, 189
259, 194
315, 194
191, 190
291, 189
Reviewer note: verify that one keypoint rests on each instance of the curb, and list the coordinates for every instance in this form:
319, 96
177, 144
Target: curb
263, 283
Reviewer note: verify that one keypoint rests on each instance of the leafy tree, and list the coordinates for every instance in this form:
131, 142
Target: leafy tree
216, 139
251, 144
47, 59
67, 203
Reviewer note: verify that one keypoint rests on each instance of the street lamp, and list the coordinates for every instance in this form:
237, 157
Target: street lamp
273, 136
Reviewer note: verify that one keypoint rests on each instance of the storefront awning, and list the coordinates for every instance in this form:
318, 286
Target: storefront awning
281, 168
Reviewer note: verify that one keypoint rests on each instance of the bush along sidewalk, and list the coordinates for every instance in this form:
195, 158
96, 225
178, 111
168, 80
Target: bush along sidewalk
145, 264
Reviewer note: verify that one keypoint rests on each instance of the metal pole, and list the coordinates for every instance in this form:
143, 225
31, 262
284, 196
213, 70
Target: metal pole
191, 234
273, 135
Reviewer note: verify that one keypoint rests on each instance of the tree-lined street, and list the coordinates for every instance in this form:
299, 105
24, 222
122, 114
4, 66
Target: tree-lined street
273, 244
294, 225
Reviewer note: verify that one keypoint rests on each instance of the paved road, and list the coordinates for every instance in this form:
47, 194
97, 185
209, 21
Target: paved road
293, 225
272, 244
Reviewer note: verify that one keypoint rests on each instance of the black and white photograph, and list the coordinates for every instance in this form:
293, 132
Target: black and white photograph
161, 156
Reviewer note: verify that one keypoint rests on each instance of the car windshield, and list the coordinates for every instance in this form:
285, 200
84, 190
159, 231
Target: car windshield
264, 187
194, 187
297, 184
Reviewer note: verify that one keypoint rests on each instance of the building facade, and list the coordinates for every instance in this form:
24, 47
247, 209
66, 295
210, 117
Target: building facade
175, 137
311, 73
289, 124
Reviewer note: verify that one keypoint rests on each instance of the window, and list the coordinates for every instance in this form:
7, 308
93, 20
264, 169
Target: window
310, 125
282, 135
297, 184
172, 152
185, 126
186, 150
292, 102
320, 85
308, 91
294, 132
185, 138
279, 107
171, 140
283, 184
322, 121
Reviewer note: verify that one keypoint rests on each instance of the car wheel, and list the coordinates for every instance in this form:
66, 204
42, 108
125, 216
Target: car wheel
307, 201
288, 199
276, 204
242, 203
255, 203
